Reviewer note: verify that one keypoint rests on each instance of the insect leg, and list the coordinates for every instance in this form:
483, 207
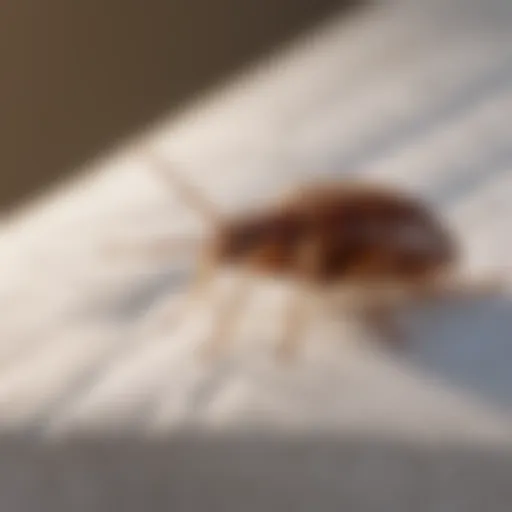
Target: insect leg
306, 263
487, 286
294, 323
191, 194
201, 284
154, 250
227, 315
379, 316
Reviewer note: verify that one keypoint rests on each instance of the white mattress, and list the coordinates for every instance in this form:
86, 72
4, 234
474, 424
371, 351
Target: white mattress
101, 408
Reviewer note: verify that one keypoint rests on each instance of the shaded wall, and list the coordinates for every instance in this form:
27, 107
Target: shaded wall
76, 76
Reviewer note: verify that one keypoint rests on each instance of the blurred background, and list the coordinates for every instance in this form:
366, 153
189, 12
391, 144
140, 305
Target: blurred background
78, 76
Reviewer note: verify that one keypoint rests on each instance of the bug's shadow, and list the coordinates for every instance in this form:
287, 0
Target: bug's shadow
467, 344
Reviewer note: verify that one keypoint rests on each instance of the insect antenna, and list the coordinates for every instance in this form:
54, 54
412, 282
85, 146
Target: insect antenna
155, 250
176, 246
190, 193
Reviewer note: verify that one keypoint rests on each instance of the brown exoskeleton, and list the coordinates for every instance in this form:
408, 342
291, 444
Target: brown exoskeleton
331, 235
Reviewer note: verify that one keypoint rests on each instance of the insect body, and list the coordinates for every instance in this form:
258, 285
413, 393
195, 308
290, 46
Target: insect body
333, 235
337, 234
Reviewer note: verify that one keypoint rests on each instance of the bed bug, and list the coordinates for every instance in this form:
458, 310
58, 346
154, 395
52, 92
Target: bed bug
326, 236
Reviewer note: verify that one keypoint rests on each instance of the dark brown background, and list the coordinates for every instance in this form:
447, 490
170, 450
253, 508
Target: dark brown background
78, 75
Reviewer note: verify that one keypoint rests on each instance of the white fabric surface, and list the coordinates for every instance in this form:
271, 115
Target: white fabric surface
102, 410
